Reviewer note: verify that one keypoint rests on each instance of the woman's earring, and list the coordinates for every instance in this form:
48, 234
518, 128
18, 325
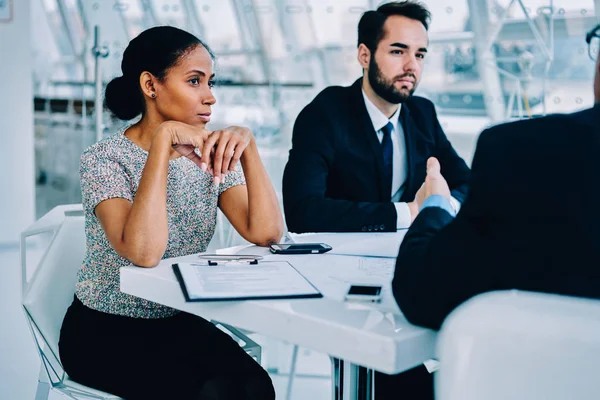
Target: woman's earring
153, 95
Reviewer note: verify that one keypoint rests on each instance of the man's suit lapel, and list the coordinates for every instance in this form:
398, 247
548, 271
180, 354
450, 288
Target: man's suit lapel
411, 133
367, 131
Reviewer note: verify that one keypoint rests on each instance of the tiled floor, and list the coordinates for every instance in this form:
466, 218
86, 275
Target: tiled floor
19, 362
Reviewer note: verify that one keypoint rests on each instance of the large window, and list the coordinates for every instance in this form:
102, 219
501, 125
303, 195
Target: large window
274, 56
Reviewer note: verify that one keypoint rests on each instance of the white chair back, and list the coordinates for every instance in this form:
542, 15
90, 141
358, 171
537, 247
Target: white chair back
49, 292
520, 346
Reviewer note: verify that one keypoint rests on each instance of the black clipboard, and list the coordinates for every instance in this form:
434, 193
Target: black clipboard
250, 264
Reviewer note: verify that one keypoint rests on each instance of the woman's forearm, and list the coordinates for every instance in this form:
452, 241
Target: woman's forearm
146, 230
265, 222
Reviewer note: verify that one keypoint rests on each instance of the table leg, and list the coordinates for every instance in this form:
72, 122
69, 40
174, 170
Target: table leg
351, 381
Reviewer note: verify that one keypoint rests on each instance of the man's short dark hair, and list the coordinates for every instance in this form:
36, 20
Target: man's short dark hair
370, 27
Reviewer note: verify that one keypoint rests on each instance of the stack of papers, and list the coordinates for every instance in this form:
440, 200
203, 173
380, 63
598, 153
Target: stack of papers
356, 244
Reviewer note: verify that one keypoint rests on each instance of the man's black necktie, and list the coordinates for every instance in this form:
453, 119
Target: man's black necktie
388, 150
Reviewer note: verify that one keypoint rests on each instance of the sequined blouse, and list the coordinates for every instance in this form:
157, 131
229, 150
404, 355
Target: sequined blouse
112, 168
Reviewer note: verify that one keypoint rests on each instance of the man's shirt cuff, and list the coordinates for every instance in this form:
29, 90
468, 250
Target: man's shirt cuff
456, 204
404, 218
439, 201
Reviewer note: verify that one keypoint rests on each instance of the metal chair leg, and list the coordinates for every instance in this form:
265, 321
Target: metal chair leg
351, 381
292, 373
43, 388
250, 346
43, 391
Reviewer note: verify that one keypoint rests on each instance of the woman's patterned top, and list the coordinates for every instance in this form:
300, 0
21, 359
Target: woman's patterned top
112, 168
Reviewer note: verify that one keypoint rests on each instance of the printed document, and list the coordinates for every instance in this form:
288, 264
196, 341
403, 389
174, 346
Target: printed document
380, 244
242, 281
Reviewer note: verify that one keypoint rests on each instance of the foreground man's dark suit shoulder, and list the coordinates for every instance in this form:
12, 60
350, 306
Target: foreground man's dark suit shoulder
334, 179
531, 221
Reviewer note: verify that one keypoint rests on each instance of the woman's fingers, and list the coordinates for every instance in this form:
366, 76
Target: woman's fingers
197, 144
208, 153
220, 151
183, 149
228, 163
196, 159
212, 154
188, 151
236, 157
219, 155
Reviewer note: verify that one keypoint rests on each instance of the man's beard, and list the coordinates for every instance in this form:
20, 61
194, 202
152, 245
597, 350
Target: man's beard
386, 89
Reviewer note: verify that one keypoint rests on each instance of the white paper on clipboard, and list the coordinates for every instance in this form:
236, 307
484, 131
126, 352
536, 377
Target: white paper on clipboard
241, 281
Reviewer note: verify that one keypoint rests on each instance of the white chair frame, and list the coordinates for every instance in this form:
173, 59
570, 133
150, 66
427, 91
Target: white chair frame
52, 375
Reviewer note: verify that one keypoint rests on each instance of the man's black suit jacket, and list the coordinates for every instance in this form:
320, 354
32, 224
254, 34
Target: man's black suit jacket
531, 221
334, 180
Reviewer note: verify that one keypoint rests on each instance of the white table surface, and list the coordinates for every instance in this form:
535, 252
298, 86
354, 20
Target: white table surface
372, 335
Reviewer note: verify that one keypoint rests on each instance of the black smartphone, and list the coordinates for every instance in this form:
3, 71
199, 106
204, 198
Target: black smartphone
299, 248
367, 293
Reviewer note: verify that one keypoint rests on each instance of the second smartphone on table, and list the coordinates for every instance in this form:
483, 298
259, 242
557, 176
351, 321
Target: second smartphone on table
299, 248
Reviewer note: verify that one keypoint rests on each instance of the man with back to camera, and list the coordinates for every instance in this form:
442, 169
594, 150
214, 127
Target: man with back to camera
531, 220
358, 153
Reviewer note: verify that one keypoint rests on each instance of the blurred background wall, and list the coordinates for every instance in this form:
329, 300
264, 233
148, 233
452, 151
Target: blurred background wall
489, 61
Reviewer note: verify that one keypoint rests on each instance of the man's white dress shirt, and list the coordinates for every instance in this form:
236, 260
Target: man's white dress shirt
400, 161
